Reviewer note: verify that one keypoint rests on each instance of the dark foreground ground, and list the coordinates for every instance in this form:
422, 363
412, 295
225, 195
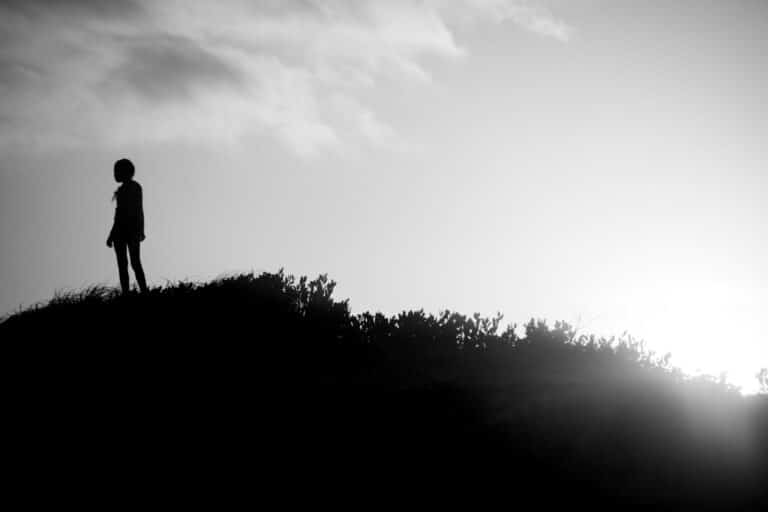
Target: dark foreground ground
265, 390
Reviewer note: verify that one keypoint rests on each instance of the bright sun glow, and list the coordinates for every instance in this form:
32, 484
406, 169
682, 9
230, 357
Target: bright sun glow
698, 322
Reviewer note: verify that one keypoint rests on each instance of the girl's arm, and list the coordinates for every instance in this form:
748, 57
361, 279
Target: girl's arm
141, 216
111, 236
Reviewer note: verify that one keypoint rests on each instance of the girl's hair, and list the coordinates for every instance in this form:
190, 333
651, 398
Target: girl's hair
124, 171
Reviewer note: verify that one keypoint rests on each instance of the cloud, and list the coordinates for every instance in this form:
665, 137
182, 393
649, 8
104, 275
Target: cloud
539, 22
74, 9
169, 68
224, 71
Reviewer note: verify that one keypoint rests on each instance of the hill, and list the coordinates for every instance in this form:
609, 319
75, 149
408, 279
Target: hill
267, 388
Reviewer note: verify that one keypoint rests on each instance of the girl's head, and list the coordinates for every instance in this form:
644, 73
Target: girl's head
124, 170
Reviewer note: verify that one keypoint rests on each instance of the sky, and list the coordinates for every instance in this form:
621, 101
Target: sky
596, 161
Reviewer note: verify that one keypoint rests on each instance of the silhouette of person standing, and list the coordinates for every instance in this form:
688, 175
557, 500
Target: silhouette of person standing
128, 229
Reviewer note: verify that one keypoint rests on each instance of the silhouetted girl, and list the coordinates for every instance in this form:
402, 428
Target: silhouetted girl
128, 229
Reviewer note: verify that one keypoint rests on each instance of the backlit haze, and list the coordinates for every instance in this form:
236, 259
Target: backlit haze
601, 162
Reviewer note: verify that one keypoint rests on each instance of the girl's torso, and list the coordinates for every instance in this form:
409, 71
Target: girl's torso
129, 216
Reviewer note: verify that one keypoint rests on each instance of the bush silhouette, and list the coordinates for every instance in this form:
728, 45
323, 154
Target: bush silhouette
273, 369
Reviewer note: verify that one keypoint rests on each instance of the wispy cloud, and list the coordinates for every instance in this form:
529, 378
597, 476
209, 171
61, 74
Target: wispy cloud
531, 17
290, 69
169, 68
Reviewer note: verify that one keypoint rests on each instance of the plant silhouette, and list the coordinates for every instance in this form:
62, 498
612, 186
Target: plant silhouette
272, 374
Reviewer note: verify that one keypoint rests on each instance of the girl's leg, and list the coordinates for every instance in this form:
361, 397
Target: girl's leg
122, 265
135, 252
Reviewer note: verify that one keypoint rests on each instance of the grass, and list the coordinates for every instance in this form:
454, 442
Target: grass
212, 380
